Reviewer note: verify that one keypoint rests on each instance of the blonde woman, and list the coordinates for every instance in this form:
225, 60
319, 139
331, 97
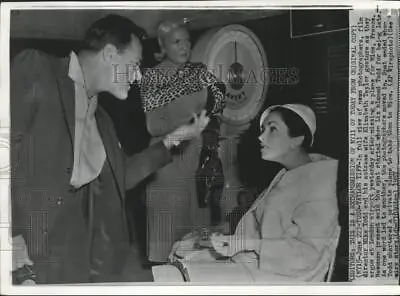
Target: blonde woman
171, 93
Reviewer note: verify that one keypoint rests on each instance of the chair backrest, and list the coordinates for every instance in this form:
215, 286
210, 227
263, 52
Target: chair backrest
333, 248
167, 274
324, 269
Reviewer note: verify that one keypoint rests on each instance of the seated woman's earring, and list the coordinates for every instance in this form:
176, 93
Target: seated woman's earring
298, 141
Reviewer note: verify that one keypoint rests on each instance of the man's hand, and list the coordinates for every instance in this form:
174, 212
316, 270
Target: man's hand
187, 132
20, 255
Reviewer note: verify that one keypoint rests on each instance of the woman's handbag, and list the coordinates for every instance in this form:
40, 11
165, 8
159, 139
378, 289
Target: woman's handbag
209, 175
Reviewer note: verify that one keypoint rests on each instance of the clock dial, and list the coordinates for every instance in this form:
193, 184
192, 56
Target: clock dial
235, 55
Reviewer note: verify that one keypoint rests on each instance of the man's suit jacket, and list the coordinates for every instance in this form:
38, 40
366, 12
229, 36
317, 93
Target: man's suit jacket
57, 221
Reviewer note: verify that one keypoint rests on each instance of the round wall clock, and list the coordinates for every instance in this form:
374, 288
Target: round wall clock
236, 56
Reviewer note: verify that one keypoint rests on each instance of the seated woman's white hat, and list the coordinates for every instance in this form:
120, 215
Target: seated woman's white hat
306, 113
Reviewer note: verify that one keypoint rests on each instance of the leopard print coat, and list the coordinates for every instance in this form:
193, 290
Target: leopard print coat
158, 88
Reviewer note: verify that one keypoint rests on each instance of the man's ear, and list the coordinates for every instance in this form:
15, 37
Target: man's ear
161, 44
297, 141
109, 51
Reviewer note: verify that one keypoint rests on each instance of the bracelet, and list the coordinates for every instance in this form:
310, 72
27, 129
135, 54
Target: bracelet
169, 142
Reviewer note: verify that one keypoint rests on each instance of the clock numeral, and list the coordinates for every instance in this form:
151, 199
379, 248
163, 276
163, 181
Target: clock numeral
240, 97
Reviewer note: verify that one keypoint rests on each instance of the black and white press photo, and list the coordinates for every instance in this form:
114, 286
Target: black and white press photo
202, 145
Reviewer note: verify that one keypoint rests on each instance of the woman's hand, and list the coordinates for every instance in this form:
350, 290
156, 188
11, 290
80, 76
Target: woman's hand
187, 132
226, 245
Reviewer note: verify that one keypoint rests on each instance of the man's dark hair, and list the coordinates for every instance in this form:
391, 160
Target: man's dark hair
112, 29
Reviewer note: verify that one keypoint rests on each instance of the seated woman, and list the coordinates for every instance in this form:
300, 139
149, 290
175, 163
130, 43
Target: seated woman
291, 230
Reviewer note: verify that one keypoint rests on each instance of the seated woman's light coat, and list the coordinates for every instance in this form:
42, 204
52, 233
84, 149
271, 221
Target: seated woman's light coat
292, 223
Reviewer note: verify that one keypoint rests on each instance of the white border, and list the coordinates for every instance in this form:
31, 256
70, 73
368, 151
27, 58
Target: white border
270, 4
5, 244
347, 288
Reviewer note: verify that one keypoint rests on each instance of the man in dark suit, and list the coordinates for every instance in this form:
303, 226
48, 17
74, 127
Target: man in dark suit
69, 175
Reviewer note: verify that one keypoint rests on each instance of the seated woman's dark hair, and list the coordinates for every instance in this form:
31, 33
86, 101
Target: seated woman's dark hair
296, 125
112, 29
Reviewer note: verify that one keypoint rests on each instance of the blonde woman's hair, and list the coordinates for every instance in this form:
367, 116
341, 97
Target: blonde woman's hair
163, 29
